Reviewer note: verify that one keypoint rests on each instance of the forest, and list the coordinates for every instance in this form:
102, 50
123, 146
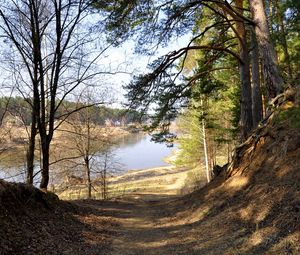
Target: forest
216, 79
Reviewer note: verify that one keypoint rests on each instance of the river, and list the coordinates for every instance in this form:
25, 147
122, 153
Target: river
133, 152
140, 152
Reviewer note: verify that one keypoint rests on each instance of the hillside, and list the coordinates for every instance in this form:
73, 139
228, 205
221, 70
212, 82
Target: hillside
33, 222
253, 208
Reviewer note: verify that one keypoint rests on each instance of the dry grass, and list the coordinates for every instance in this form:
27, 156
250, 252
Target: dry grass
169, 180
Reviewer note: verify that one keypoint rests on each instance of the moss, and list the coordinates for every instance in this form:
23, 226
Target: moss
290, 117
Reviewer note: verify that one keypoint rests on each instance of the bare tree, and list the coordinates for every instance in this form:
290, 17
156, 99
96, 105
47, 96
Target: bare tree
48, 38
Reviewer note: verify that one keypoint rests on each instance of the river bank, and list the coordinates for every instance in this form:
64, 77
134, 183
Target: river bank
167, 179
67, 143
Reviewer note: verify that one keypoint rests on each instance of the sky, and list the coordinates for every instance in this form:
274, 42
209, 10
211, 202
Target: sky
124, 58
121, 60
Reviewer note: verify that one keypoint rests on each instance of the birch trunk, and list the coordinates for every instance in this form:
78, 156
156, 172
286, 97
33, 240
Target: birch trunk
205, 145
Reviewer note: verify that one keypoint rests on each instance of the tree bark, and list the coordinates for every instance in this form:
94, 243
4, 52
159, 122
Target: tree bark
88, 176
45, 164
273, 80
30, 152
246, 123
205, 144
257, 109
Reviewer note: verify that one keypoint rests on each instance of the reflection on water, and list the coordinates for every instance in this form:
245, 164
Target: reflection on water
12, 166
135, 151
12, 174
139, 152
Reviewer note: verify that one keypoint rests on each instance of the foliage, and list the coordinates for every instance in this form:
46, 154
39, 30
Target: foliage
19, 107
16, 106
150, 22
290, 117
284, 16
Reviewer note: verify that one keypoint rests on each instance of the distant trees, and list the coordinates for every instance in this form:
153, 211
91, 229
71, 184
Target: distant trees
18, 106
81, 137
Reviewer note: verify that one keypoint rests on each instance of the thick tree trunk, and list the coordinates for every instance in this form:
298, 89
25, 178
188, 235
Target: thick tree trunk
31, 149
273, 80
246, 123
30, 159
257, 109
45, 163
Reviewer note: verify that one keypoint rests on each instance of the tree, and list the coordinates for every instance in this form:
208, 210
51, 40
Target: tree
246, 119
206, 126
283, 20
86, 139
273, 80
257, 111
48, 37
175, 18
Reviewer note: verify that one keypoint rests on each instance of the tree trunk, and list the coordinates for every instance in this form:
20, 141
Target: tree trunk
205, 151
45, 163
246, 123
273, 80
205, 144
88, 176
30, 158
31, 149
104, 184
257, 110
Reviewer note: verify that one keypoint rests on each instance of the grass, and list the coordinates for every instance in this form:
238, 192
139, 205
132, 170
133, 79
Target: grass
167, 179
290, 116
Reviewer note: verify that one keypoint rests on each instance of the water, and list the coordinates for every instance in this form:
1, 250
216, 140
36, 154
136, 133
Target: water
141, 153
13, 175
132, 152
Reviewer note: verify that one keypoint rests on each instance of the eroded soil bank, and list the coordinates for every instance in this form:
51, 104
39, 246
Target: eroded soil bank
253, 208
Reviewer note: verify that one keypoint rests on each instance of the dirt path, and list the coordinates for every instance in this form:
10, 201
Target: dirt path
140, 231
139, 228
142, 218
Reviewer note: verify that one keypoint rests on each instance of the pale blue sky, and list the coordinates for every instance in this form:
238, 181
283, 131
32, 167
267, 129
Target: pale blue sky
124, 58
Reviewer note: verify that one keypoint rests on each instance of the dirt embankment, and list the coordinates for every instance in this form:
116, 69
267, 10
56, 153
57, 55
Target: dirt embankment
253, 208
33, 222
